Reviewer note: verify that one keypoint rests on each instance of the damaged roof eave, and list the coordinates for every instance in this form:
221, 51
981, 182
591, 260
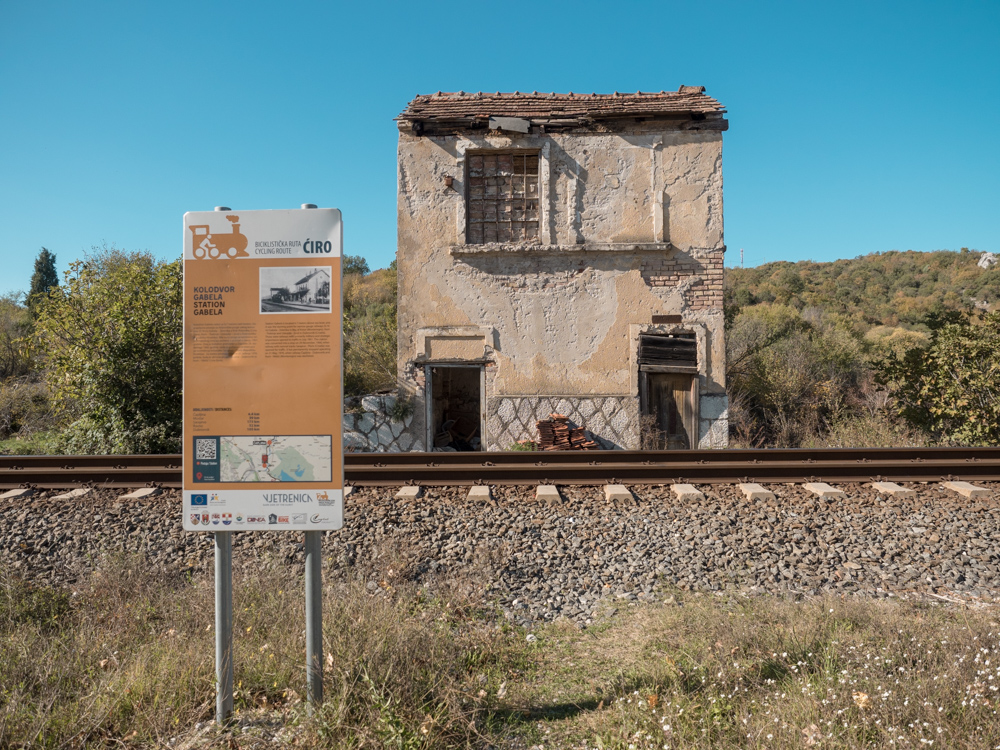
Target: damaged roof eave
694, 121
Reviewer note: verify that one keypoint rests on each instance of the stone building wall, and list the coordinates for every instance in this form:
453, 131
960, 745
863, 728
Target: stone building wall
630, 227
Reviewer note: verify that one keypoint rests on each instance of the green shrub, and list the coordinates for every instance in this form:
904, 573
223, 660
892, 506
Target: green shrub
111, 338
402, 409
951, 387
522, 445
25, 407
24, 603
369, 332
15, 338
789, 378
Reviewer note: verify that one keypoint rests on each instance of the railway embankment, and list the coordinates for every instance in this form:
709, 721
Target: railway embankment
575, 557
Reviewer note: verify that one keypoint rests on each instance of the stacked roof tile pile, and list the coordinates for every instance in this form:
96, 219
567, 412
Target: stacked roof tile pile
555, 434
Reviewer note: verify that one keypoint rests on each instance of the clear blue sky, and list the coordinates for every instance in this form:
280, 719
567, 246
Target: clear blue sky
854, 126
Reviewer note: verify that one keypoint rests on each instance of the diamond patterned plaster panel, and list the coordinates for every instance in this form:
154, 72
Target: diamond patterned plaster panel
610, 420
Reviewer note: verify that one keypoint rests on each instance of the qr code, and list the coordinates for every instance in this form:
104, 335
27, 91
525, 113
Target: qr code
205, 449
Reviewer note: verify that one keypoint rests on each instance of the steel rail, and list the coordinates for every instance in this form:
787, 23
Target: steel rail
555, 467
67, 472
682, 456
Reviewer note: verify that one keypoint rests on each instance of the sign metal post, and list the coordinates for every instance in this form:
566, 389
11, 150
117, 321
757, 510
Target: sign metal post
223, 626
223, 618
314, 608
314, 617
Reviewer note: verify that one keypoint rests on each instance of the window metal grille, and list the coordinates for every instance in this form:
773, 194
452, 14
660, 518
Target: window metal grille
502, 198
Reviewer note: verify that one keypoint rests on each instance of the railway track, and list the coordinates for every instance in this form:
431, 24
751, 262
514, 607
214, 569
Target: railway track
589, 467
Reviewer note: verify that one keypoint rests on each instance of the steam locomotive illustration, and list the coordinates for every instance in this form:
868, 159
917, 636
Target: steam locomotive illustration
215, 246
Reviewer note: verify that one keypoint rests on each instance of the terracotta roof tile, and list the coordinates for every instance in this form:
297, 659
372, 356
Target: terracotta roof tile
480, 105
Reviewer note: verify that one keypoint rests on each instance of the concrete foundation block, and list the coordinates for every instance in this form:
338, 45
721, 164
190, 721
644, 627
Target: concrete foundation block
713, 433
756, 492
714, 406
348, 491
16, 493
892, 489
72, 494
617, 492
547, 492
140, 493
480, 492
967, 490
687, 492
822, 489
409, 492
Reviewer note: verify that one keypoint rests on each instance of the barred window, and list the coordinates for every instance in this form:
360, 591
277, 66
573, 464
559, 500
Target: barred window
502, 198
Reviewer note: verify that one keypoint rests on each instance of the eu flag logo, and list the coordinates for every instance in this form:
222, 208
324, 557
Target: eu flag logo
199, 499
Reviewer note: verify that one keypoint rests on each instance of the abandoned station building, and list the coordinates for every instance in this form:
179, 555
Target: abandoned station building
562, 253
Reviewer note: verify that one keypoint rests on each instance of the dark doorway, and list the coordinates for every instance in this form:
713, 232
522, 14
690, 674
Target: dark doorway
455, 408
669, 411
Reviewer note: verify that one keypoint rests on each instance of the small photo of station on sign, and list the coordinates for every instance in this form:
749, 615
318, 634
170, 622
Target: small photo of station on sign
262, 370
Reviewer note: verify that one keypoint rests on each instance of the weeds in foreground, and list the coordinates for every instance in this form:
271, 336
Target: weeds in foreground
130, 656
127, 660
34, 444
766, 673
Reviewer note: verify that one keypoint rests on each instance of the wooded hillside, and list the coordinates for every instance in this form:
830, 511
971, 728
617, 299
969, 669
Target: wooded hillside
888, 349
892, 288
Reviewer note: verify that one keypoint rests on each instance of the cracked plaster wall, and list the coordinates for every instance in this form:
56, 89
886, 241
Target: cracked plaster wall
561, 308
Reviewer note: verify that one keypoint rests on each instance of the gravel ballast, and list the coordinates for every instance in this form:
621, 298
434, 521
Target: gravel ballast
573, 557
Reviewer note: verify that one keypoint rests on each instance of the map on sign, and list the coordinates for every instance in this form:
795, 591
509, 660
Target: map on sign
275, 458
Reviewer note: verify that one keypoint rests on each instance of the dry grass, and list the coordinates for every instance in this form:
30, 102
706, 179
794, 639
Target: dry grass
861, 430
868, 431
129, 658
769, 673
127, 661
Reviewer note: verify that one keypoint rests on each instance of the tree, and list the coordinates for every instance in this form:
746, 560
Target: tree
43, 279
15, 330
112, 336
370, 332
355, 264
750, 331
952, 386
789, 379
370, 351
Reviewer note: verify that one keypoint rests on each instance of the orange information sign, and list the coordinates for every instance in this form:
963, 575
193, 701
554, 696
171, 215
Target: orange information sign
263, 382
